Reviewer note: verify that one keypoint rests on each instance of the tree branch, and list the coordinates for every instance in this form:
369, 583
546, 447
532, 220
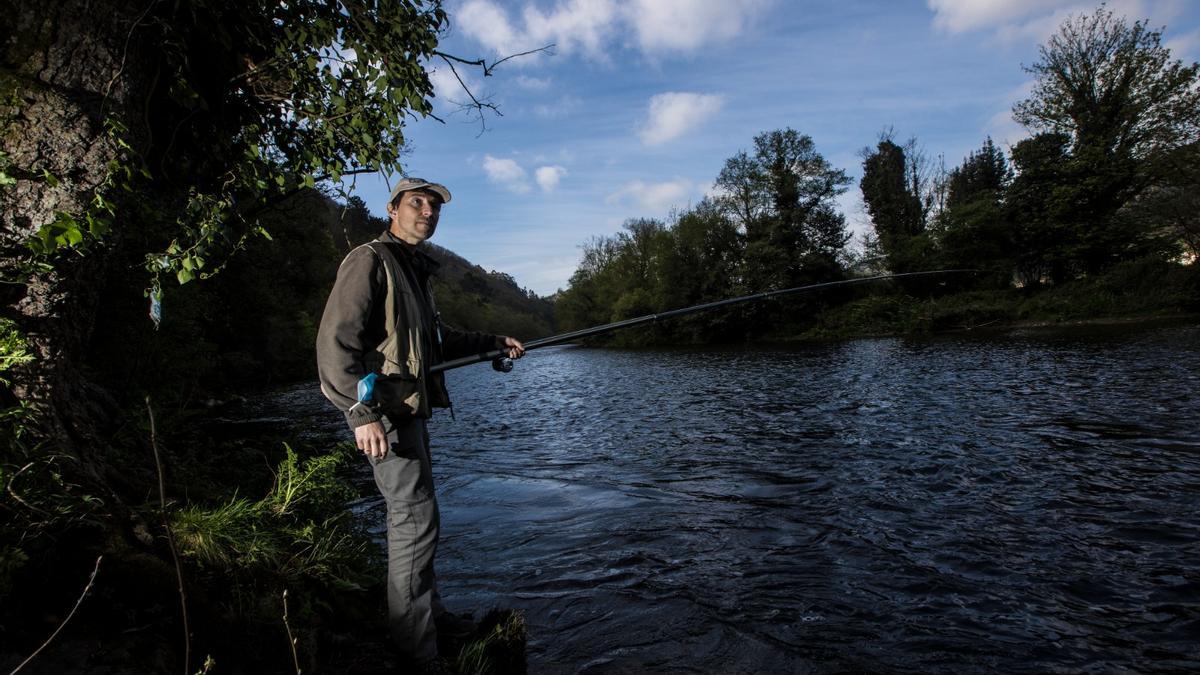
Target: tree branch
488, 68
475, 102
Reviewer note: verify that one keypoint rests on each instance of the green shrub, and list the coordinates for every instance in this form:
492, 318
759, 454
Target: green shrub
1145, 287
300, 530
972, 309
884, 314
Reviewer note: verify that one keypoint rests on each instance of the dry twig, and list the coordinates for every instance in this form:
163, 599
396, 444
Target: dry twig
476, 104
162, 501
53, 635
291, 639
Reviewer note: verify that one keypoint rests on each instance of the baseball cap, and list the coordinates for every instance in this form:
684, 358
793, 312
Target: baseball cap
411, 183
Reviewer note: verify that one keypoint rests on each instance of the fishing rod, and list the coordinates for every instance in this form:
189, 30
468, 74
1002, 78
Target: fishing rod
502, 363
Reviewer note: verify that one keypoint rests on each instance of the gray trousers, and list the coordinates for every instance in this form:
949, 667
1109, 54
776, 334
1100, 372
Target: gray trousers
405, 478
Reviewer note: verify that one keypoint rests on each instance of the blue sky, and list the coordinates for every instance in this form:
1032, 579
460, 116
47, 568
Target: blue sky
643, 101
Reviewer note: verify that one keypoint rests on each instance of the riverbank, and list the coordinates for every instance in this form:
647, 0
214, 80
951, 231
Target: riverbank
1140, 291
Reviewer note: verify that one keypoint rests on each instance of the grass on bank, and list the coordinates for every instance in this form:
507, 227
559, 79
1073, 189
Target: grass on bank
498, 646
299, 530
1147, 288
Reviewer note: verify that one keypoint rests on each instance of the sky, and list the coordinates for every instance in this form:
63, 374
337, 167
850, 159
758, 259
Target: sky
640, 102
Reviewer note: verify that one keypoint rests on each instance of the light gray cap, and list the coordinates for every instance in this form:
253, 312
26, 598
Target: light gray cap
411, 183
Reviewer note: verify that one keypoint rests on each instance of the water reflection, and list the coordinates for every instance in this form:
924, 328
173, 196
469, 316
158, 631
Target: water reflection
1025, 502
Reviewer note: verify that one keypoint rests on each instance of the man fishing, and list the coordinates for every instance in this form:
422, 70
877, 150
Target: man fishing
379, 336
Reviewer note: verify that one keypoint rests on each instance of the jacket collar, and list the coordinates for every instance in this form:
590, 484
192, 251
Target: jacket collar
415, 254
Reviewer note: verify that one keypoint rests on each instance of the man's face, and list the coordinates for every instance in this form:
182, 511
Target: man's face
414, 215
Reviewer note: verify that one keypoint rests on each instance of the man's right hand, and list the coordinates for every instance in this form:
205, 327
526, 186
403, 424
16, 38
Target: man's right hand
371, 439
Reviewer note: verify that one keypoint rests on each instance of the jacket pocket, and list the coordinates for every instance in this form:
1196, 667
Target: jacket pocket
399, 396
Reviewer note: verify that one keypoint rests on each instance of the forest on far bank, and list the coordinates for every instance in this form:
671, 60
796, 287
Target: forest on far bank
1095, 215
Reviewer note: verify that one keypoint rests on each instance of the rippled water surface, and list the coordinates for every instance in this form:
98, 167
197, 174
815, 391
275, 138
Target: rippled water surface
1028, 501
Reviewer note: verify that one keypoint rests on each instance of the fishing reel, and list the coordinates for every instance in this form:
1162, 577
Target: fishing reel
502, 364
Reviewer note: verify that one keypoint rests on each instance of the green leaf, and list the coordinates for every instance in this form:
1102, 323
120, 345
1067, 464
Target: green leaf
184, 276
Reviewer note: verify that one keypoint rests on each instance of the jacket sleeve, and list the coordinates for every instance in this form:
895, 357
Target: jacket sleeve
343, 335
456, 343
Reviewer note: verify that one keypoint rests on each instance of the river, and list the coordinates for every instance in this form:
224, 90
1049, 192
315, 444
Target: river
1026, 501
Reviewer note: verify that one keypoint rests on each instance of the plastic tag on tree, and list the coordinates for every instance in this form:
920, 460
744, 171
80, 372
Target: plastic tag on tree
156, 307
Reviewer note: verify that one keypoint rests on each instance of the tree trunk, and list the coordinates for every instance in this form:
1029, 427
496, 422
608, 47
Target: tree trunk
66, 68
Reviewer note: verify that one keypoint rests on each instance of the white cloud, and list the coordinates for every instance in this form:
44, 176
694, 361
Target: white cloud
533, 83
960, 16
1036, 20
583, 25
445, 85
1185, 47
488, 24
507, 173
654, 197
596, 27
543, 275
714, 191
571, 25
548, 176
676, 113
560, 108
1004, 130
687, 25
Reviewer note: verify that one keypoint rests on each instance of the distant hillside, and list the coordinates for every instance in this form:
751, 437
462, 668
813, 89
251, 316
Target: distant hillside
468, 296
